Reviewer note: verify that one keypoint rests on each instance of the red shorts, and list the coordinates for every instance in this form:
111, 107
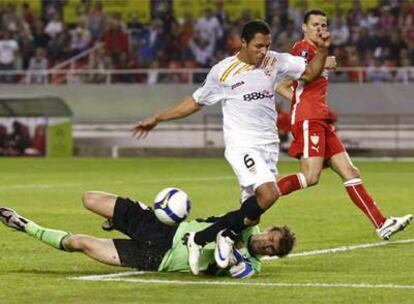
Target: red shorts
315, 138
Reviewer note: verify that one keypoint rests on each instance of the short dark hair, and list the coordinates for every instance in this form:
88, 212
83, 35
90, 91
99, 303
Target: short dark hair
286, 242
253, 27
317, 12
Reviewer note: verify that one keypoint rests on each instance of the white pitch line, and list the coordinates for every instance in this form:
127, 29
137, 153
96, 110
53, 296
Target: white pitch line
121, 276
145, 181
342, 249
100, 277
255, 284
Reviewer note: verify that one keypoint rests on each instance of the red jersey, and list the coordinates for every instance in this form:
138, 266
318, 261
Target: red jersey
309, 99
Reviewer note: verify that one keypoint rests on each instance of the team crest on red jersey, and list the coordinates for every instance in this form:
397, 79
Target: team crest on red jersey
314, 139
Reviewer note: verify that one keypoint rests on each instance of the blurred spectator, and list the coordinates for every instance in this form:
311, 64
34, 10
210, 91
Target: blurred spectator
115, 40
18, 140
80, 39
50, 8
378, 72
355, 15
372, 18
97, 20
28, 15
126, 63
224, 22
134, 24
297, 13
38, 65
339, 32
380, 41
38, 146
187, 30
406, 20
151, 42
173, 50
285, 40
164, 13
40, 38
276, 28
10, 20
101, 63
364, 41
8, 55
58, 48
54, 26
202, 51
395, 46
233, 41
387, 20
208, 28
26, 48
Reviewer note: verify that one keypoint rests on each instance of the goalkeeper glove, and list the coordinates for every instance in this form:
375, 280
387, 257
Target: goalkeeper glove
241, 270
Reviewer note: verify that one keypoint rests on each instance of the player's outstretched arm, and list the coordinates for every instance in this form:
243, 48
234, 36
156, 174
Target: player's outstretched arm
182, 109
315, 68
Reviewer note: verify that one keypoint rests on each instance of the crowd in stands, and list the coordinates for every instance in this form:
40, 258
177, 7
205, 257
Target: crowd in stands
376, 38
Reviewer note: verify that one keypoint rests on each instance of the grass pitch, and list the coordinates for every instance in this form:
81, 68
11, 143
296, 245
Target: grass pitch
48, 191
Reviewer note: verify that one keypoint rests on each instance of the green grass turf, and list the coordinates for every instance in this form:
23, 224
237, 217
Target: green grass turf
49, 191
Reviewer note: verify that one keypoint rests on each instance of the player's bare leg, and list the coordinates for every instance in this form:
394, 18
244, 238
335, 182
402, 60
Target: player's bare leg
101, 250
311, 168
101, 203
341, 163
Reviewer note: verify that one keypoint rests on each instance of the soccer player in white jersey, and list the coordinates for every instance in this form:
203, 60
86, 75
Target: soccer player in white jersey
245, 85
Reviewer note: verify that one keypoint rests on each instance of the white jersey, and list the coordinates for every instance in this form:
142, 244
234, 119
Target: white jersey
246, 93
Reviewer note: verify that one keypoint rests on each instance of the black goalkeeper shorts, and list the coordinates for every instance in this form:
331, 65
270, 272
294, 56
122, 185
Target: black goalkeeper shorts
150, 238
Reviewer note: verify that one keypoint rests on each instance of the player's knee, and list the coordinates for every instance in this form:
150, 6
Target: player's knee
350, 172
354, 172
76, 243
90, 199
312, 179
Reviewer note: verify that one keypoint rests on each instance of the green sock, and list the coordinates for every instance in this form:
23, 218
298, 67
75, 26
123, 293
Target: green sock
51, 237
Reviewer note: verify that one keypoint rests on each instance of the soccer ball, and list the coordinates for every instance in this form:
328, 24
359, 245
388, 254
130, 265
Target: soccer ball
172, 206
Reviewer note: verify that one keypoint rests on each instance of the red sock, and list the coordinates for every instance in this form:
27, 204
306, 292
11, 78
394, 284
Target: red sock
291, 183
364, 201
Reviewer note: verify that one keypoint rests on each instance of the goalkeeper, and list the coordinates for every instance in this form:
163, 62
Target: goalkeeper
152, 245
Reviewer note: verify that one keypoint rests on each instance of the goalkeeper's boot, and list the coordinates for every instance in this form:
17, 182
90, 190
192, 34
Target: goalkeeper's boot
108, 225
194, 252
393, 225
11, 219
224, 249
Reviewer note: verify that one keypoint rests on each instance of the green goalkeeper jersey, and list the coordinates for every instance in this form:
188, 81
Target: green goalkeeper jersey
176, 259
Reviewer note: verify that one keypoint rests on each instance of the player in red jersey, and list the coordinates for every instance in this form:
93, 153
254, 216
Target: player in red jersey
315, 141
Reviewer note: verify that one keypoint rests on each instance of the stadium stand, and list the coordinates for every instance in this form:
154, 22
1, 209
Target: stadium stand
378, 37
374, 44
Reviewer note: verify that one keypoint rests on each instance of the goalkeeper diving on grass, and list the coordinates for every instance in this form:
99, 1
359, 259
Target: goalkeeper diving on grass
153, 245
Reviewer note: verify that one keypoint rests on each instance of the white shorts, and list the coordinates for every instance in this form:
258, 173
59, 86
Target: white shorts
253, 166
